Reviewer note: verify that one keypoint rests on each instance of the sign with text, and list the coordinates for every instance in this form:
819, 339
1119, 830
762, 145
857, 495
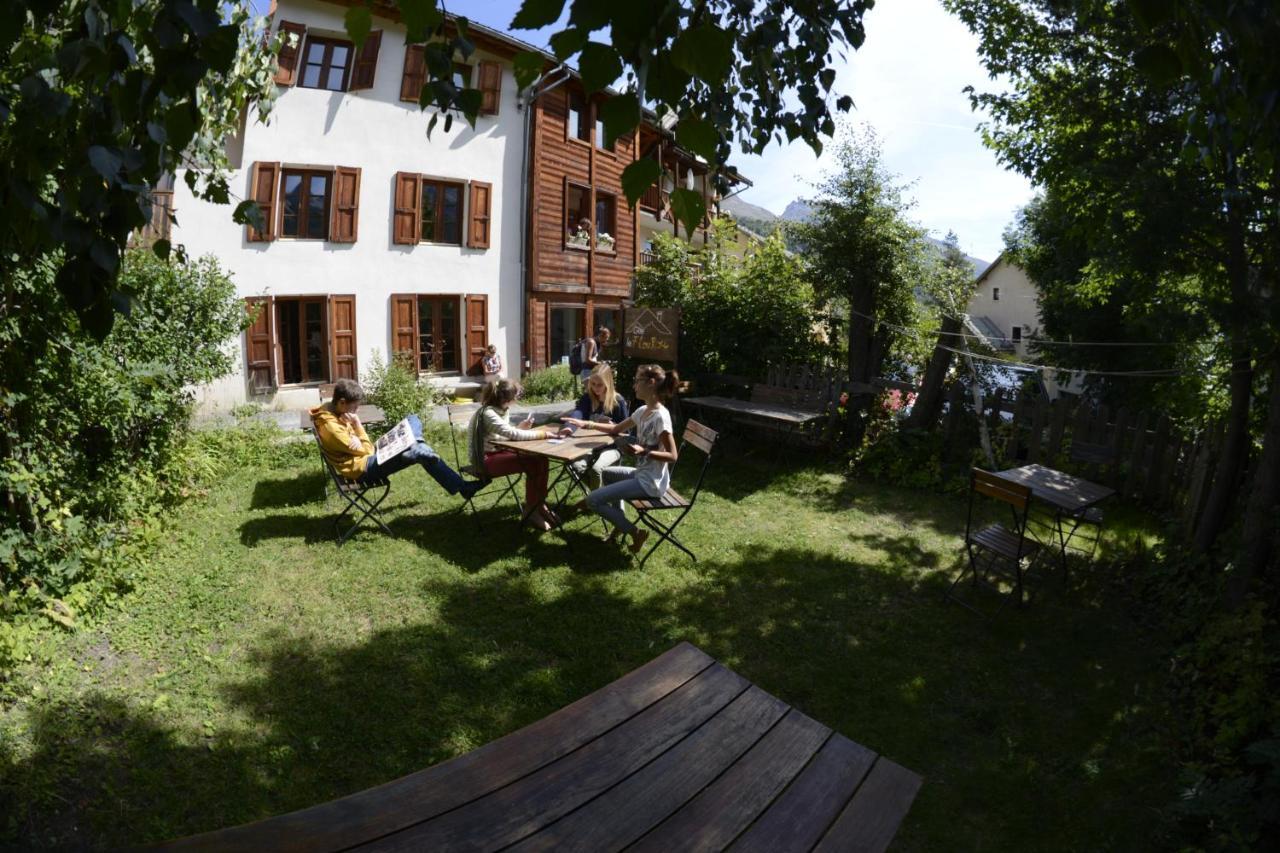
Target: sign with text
650, 333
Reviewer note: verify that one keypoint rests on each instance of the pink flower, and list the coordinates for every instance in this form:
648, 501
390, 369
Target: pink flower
844, 398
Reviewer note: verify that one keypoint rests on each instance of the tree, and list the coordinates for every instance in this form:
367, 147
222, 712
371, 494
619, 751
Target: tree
950, 287
863, 257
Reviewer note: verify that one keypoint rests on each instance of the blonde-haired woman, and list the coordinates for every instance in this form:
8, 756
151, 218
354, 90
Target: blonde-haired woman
602, 404
490, 424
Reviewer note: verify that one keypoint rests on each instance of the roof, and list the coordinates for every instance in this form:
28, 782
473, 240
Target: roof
992, 335
982, 276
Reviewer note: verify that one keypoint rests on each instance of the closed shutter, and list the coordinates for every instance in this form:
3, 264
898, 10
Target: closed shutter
260, 345
342, 338
479, 219
366, 64
287, 60
404, 326
266, 177
407, 219
477, 331
345, 212
490, 87
415, 73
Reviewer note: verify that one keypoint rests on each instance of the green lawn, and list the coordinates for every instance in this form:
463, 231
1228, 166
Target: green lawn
259, 669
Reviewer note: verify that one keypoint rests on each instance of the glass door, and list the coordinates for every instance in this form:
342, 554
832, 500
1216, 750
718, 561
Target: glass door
438, 334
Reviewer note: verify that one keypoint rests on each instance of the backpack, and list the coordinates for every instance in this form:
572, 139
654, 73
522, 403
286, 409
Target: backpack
576, 359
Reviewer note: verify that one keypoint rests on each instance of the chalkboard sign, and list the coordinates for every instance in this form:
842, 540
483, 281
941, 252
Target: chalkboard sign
651, 333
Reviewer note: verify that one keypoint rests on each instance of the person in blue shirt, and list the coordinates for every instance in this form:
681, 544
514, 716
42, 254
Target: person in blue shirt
602, 404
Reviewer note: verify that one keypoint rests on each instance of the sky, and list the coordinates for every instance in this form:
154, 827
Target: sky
906, 82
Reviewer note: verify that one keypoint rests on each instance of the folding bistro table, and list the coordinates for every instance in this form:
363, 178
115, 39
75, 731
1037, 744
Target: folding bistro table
566, 451
1066, 496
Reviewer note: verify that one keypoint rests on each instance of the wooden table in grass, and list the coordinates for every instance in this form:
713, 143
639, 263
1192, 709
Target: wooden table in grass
565, 451
680, 754
791, 416
1066, 496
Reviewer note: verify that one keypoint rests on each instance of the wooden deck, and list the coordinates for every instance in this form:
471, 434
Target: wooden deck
680, 754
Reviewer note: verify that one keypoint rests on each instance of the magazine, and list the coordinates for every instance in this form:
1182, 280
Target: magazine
397, 440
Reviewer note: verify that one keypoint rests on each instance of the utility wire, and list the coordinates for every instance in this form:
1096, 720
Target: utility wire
1034, 340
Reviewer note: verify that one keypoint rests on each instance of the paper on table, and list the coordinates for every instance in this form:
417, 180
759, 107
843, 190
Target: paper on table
555, 441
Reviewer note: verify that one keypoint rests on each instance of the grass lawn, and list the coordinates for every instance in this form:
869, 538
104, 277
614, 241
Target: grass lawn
259, 669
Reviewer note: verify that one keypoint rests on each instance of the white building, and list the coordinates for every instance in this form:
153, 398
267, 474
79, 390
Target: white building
1005, 307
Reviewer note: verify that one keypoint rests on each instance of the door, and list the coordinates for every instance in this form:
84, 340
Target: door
438, 334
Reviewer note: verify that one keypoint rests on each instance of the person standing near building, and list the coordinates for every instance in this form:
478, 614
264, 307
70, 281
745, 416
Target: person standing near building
593, 351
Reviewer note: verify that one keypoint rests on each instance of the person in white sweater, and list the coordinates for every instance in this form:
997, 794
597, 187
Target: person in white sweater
489, 424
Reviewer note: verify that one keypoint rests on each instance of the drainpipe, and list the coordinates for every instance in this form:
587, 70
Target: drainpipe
539, 87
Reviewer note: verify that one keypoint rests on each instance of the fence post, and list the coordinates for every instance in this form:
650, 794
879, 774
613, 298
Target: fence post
1155, 470
1039, 416
1200, 477
1133, 484
1058, 424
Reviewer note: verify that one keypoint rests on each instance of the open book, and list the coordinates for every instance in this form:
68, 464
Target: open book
397, 440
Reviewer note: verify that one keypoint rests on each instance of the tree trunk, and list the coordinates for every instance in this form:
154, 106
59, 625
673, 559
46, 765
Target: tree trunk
862, 359
1259, 538
928, 405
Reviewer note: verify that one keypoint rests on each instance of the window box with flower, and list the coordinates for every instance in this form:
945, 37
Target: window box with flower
579, 239
605, 242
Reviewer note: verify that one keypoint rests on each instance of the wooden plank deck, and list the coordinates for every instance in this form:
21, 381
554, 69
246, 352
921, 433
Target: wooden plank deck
681, 753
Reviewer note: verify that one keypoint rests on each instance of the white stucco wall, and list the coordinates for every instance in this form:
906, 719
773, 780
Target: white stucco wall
375, 131
1018, 305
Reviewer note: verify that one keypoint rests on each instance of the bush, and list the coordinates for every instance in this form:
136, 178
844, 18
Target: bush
549, 385
94, 431
396, 389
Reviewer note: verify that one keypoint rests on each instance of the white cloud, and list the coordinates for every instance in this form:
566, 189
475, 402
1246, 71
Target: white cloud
907, 83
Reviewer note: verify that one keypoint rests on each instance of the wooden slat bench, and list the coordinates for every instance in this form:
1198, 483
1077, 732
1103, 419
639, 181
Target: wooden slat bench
681, 753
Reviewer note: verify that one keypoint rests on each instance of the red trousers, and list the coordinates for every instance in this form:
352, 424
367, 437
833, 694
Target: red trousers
534, 468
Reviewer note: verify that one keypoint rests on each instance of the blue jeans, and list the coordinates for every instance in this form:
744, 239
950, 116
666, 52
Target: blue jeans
420, 453
620, 484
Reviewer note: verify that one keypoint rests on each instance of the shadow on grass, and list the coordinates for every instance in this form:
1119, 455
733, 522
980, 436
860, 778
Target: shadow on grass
304, 488
1033, 731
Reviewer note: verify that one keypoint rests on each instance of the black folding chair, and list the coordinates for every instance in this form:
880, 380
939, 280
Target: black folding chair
704, 439
1084, 527
362, 500
995, 549
460, 418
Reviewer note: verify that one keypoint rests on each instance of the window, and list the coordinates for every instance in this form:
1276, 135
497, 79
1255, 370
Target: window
600, 136
995, 294
306, 205
606, 221
441, 212
300, 331
437, 334
326, 64
577, 216
611, 319
461, 75
1017, 334
566, 330
579, 123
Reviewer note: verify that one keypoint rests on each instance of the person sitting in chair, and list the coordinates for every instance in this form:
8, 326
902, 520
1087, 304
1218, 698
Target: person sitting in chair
602, 404
348, 449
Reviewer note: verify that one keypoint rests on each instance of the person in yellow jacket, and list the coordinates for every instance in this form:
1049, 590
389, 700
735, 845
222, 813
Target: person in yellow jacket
348, 448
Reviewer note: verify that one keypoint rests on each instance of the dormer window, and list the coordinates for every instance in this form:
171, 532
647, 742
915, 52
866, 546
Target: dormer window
326, 64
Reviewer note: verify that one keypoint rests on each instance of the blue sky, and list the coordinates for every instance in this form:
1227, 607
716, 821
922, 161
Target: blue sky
906, 82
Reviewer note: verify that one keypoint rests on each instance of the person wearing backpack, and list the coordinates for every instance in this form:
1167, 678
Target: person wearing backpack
586, 353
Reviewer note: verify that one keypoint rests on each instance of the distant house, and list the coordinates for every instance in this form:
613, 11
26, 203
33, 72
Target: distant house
1005, 307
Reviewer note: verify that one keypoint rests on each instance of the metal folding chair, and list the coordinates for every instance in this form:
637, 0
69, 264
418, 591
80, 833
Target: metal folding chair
703, 438
459, 419
996, 549
362, 500
1085, 526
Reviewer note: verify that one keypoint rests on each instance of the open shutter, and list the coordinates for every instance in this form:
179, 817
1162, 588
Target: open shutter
490, 87
407, 219
287, 60
366, 64
404, 326
415, 73
478, 219
266, 177
260, 345
345, 211
477, 331
342, 338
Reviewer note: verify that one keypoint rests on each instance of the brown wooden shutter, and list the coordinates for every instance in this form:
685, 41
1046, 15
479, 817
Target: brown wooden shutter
260, 345
344, 213
287, 60
366, 64
404, 326
266, 178
342, 338
478, 218
407, 219
490, 87
415, 73
477, 315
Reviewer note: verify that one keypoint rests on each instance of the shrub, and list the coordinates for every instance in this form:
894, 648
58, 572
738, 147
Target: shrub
395, 388
549, 385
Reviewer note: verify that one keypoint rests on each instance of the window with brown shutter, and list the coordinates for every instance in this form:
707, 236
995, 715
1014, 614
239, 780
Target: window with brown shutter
345, 220
408, 197
404, 326
342, 338
477, 319
415, 73
490, 87
263, 190
301, 337
287, 60
305, 197
326, 64
441, 211
478, 218
260, 345
366, 66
